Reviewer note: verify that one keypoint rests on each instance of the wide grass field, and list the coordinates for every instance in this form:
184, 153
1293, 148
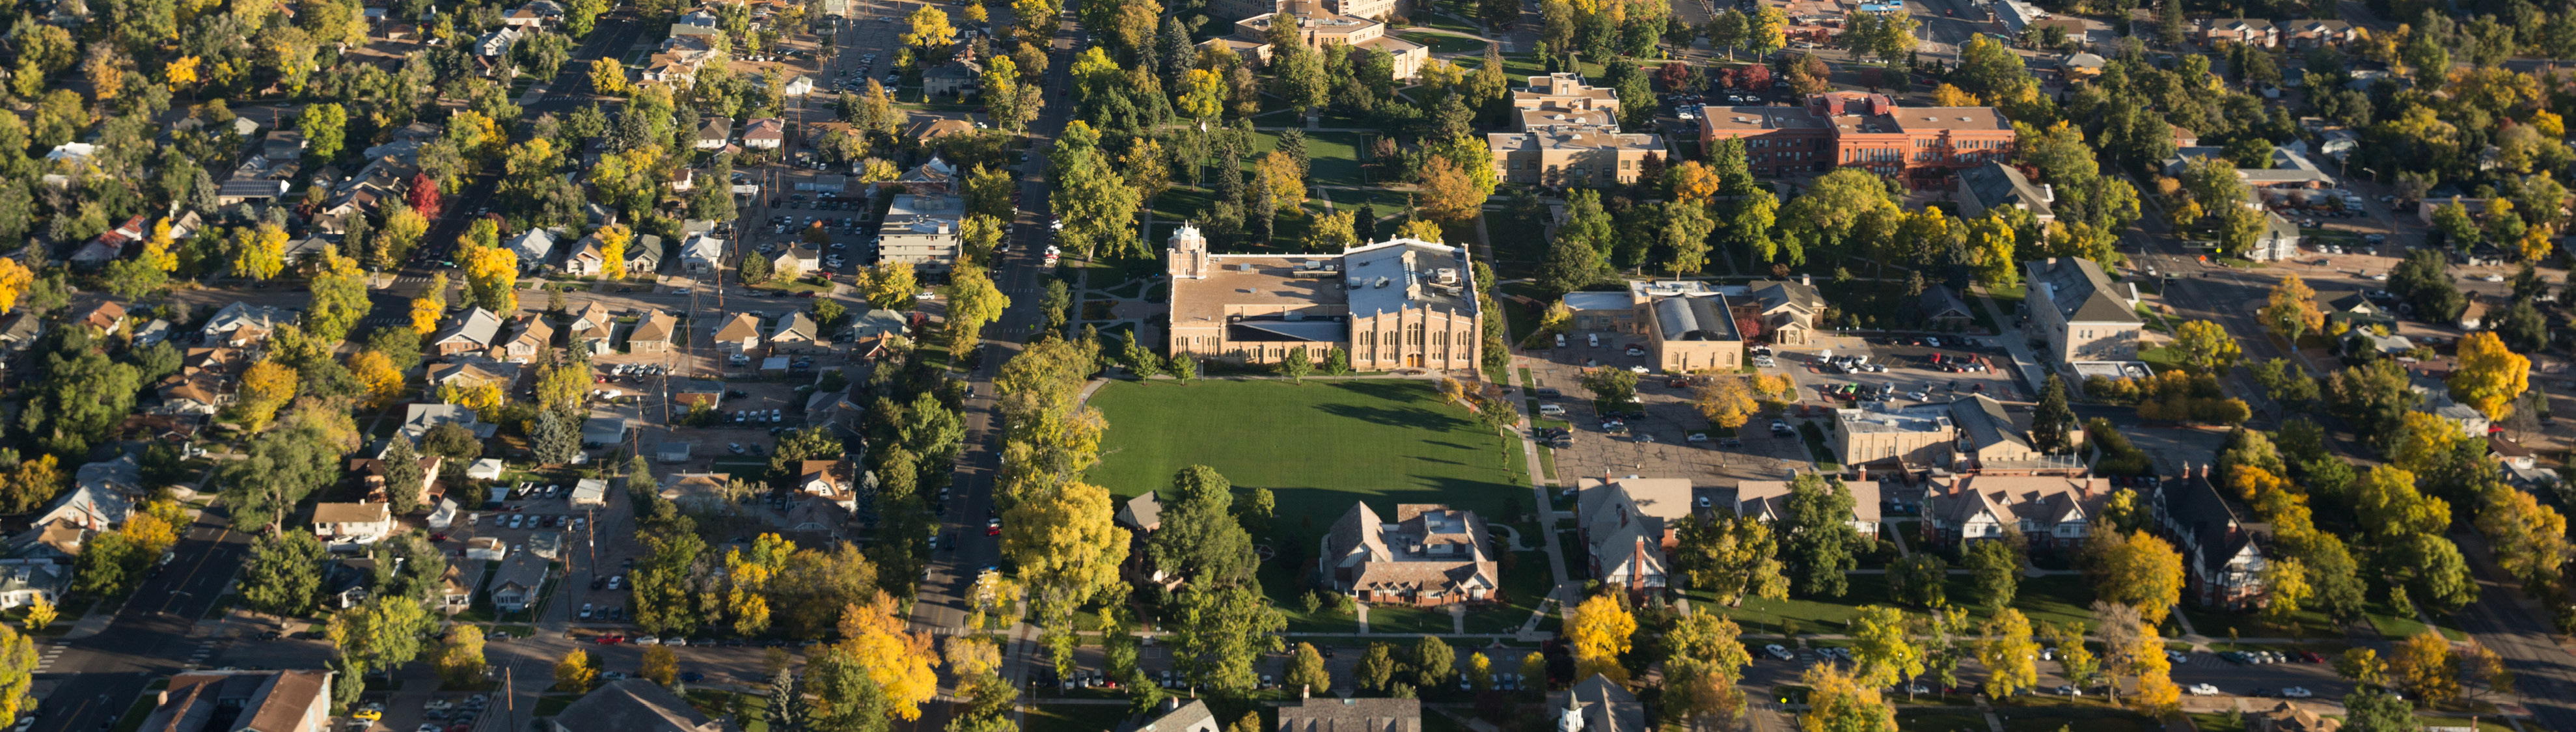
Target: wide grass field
1318, 447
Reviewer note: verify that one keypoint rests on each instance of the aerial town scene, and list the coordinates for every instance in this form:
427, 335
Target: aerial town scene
1287, 366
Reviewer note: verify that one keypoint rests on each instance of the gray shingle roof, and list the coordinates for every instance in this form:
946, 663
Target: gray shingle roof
2079, 290
633, 705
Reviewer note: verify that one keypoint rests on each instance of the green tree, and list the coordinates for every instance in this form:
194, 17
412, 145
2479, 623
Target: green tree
1997, 567
324, 126
1306, 671
1822, 548
283, 575
2205, 347
381, 634
1884, 650
1433, 662
1917, 579
2049, 426
1297, 365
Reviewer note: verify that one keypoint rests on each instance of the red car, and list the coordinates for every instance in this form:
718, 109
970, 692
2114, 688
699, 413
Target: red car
609, 640
434, 538
993, 527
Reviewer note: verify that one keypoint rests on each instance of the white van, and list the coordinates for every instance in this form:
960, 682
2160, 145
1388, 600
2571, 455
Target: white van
1560, 340
1595, 338
1552, 410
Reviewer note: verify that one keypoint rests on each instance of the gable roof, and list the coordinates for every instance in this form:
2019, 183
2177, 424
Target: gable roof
633, 705
2079, 290
742, 327
1351, 715
654, 326
475, 327
1142, 512
1996, 184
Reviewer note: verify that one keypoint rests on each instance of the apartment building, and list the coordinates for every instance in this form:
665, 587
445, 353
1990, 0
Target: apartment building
1572, 154
1928, 145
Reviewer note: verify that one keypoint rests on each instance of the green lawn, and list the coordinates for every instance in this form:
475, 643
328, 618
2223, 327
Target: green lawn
1445, 43
2052, 599
1073, 717
2208, 722
1333, 158
1519, 245
1386, 442
1389, 619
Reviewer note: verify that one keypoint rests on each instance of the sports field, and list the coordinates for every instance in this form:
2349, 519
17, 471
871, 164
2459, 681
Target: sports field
1317, 447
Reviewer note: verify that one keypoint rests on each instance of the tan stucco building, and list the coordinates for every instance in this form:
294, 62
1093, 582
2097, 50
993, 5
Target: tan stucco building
1402, 303
1688, 326
1918, 436
2083, 315
1572, 157
1562, 92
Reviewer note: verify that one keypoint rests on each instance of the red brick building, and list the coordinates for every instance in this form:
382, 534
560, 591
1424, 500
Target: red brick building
1926, 145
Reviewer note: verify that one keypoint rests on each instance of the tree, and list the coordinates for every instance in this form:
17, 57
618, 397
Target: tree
755, 269
1200, 538
2423, 667
1997, 566
1433, 662
1837, 700
2529, 539
1598, 631
460, 655
383, 633
2049, 426
1297, 365
2292, 310
324, 127
2206, 347
890, 286
17, 672
973, 302
1306, 670
1733, 557
1726, 401
2367, 710
265, 388
1822, 548
607, 77
339, 297
1917, 579
2489, 377
40, 613
661, 666
1376, 669
259, 253
283, 575
1613, 386
2137, 569
2010, 655
1883, 647
1451, 194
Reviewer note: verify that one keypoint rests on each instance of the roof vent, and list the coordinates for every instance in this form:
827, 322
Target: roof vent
1381, 283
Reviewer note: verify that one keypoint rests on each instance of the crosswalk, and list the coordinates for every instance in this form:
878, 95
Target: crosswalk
52, 652
205, 649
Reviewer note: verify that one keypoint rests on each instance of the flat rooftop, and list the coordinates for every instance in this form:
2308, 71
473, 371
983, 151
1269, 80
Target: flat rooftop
1254, 279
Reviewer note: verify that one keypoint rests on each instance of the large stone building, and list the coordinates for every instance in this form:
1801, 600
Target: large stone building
1927, 145
1321, 24
2083, 316
922, 230
1688, 325
1401, 303
1432, 555
1572, 156
2224, 546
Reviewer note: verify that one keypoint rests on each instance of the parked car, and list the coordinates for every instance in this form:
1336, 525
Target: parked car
2203, 690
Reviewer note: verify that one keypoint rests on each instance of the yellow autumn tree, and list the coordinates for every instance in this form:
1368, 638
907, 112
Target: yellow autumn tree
2490, 376
14, 279
1946, 95
259, 253
484, 397
156, 250
2156, 694
612, 250
1600, 630
375, 372
491, 276
182, 73
265, 388
430, 306
899, 661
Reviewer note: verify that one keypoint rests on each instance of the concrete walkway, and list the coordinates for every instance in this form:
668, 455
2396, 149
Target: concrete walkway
2033, 374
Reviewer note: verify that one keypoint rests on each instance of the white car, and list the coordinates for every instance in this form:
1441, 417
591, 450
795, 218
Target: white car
2177, 657
1641, 370
1777, 651
2494, 278
2203, 690
2297, 692
1698, 437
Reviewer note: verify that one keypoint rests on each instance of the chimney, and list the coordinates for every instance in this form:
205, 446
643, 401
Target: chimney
1807, 279
1305, 690
1864, 474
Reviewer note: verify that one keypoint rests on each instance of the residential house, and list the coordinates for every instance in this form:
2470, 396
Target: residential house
633, 705
2306, 34
2248, 31
151, 333
1432, 555
1142, 514
764, 133
602, 429
715, 133
1327, 714
109, 246
701, 254
2278, 242
201, 395
352, 523
1598, 704
2050, 511
531, 338
740, 336
1940, 307
875, 322
21, 329
2291, 716
699, 491
469, 332
1628, 525
593, 322
587, 259
471, 371
103, 494
948, 81
371, 476
799, 86
2083, 316
1998, 185
536, 15
347, 582
23, 582
1787, 311
243, 701
241, 324
796, 333
797, 259
652, 332
1174, 716
419, 418
644, 256
283, 146
516, 584
533, 247
693, 392
497, 43
829, 480
454, 595
1768, 500
938, 177
2225, 548
104, 317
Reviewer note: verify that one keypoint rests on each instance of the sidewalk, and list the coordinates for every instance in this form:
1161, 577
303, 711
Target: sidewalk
2034, 376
